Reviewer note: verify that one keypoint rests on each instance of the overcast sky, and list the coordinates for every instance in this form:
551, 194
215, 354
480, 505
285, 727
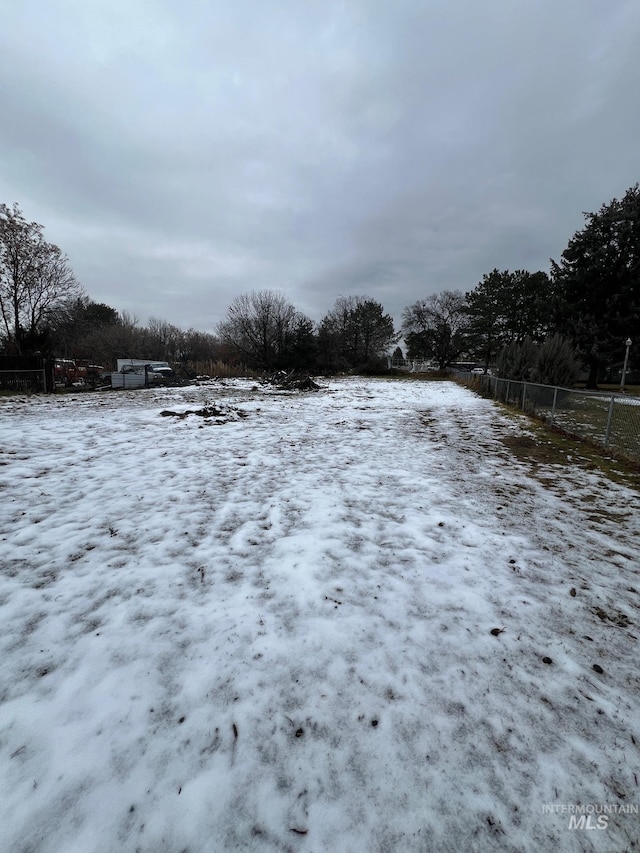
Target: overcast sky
182, 153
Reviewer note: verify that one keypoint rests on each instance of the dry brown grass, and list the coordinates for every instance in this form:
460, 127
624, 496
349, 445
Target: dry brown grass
543, 445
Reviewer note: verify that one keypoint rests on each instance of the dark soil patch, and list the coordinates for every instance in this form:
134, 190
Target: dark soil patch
206, 412
549, 447
529, 449
616, 618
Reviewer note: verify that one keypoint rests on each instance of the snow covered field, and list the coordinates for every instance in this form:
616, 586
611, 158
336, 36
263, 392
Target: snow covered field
271, 629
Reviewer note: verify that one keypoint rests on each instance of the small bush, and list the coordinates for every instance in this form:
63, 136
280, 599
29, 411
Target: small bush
554, 362
220, 369
517, 361
557, 363
374, 367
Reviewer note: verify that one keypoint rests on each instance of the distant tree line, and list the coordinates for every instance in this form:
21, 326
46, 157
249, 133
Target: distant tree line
93, 331
268, 333
534, 325
545, 327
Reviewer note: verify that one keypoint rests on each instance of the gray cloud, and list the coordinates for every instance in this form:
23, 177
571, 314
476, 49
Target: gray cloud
182, 155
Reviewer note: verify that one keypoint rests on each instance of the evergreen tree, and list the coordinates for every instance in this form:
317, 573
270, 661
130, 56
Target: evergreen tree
557, 363
507, 307
518, 360
598, 278
356, 331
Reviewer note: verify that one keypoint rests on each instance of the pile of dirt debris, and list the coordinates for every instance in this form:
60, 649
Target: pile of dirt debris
291, 381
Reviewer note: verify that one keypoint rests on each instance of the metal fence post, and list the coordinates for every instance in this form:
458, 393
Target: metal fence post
524, 394
609, 419
553, 408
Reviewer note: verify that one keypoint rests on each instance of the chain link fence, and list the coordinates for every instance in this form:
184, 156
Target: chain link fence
609, 420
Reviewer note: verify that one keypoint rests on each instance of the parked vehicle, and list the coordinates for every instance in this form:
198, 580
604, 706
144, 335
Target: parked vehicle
68, 372
65, 372
138, 372
155, 369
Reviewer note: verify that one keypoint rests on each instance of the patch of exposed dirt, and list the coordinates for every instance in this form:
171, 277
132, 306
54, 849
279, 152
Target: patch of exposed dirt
207, 412
529, 449
615, 618
545, 447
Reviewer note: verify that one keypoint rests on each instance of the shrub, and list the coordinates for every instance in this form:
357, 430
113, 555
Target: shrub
557, 363
554, 362
518, 360
374, 367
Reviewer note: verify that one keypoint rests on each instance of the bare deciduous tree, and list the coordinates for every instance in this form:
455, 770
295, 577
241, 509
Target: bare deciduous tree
434, 327
35, 279
260, 327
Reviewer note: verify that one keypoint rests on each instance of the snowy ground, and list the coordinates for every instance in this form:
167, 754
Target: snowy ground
273, 632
